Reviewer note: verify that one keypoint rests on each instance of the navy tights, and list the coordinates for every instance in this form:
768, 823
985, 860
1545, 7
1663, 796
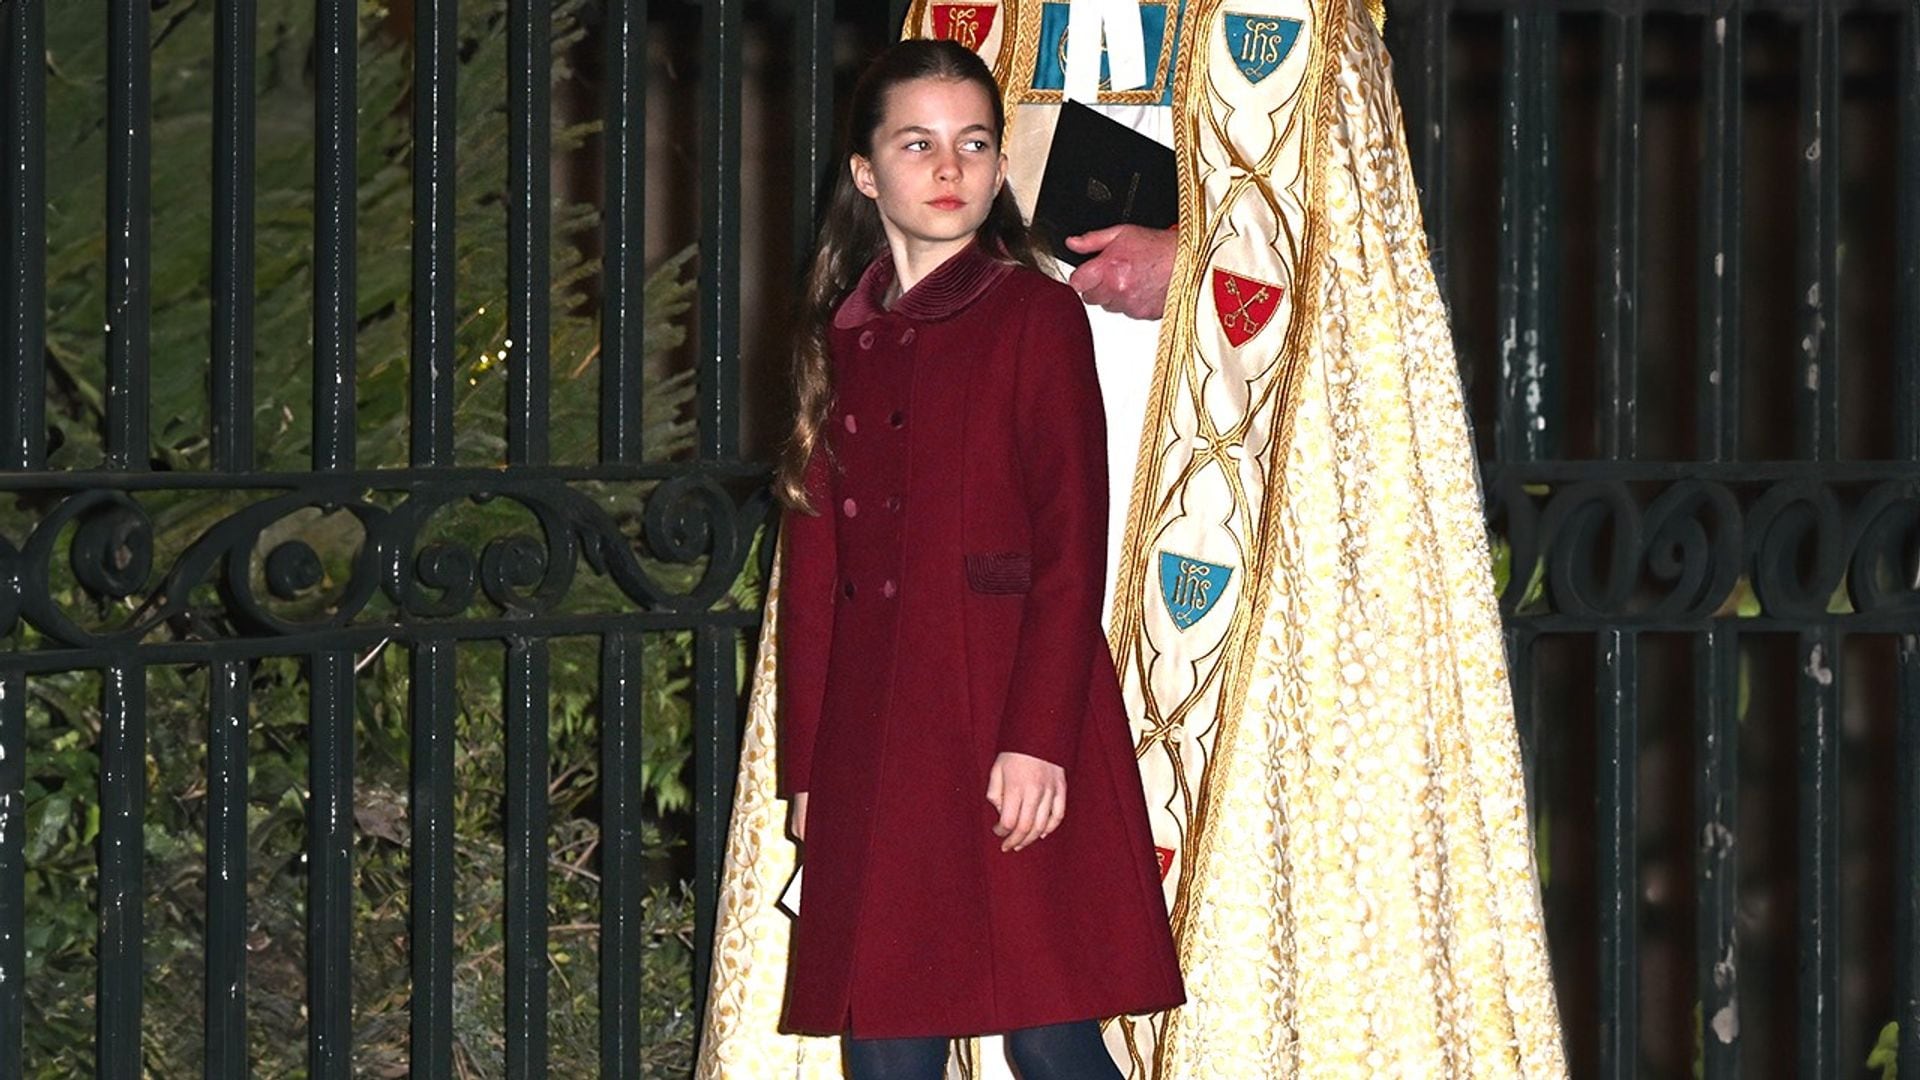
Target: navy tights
1072, 1051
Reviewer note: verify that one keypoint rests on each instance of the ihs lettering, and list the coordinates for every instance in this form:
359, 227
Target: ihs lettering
1263, 44
1190, 590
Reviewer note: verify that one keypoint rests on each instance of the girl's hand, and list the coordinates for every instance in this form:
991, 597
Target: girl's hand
797, 822
1031, 795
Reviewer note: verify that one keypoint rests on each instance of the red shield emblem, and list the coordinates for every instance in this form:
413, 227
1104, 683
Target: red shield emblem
1243, 304
967, 24
1164, 857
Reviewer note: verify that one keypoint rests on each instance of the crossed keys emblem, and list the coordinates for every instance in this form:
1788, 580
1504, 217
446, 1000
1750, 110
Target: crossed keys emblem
1248, 325
1243, 304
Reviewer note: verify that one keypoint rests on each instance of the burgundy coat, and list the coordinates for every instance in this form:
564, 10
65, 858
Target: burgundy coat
943, 607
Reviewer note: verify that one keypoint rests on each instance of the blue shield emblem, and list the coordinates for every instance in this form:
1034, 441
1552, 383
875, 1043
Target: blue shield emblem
1258, 43
1191, 586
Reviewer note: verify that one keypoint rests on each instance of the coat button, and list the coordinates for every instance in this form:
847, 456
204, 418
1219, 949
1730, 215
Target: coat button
893, 503
898, 419
853, 426
907, 338
866, 339
849, 508
847, 590
888, 590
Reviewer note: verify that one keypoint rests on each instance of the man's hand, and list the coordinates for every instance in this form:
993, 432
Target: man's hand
797, 824
1031, 795
1129, 270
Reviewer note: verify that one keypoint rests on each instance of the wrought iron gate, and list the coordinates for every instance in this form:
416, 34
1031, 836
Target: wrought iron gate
1687, 606
82, 585
1711, 510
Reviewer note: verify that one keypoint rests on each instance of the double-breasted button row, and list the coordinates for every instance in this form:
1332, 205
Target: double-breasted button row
876, 417
870, 337
896, 419
867, 337
887, 589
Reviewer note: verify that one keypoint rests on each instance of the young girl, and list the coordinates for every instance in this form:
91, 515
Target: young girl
953, 737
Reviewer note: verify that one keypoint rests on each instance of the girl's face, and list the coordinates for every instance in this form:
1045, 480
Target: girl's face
936, 165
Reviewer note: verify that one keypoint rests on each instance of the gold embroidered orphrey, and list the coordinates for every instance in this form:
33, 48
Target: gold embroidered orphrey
1334, 764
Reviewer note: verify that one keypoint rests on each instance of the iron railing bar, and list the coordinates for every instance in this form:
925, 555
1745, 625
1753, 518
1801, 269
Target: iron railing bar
620, 855
1906, 855
1617, 664
123, 800
228, 726
716, 751
1906, 301
1727, 472
1906, 397
1718, 415
1716, 821
372, 635
433, 697
129, 122
1511, 424
529, 270
23, 313
233, 194
1529, 420
1619, 352
717, 390
336, 132
435, 64
1542, 288
329, 858
526, 914
13, 872
1878, 622
1819, 849
725, 473
728, 473
42, 661
1816, 379
622, 302
812, 123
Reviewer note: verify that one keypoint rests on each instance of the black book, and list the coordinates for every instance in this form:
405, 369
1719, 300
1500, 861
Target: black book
1101, 172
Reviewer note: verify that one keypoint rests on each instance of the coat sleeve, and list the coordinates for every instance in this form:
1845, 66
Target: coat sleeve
806, 624
1060, 435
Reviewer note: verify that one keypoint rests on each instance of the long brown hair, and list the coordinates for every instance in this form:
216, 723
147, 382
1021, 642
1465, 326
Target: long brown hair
851, 235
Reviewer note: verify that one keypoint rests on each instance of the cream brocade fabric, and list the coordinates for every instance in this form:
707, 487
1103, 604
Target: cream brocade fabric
1360, 897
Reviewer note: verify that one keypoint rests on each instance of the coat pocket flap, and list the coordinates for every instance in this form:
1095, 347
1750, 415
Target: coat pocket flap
1005, 572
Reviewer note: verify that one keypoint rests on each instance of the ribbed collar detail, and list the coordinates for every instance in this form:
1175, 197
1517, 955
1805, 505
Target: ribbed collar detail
952, 285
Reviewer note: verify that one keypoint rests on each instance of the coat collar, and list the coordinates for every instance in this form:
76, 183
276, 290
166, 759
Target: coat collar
952, 285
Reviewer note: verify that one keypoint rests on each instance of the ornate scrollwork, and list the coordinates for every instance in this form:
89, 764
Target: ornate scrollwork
274, 576
1678, 549
111, 556
1884, 571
